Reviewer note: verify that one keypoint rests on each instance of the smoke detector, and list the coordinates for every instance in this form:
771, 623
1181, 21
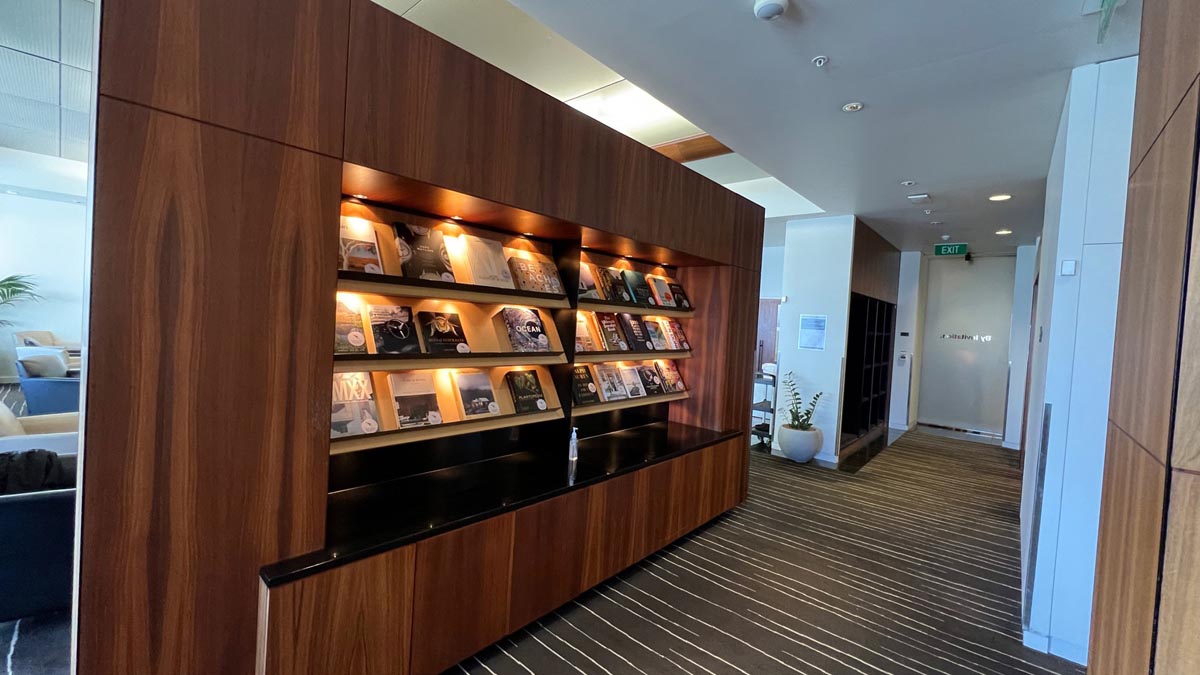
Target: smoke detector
922, 198
769, 10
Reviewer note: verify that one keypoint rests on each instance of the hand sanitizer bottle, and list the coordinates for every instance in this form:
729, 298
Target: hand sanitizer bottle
573, 450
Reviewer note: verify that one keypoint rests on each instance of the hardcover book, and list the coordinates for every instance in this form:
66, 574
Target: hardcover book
535, 275
608, 378
349, 337
672, 339
354, 411
526, 332
583, 387
614, 285
671, 379
662, 291
443, 332
610, 332
655, 332
485, 260
588, 286
635, 330
358, 250
633, 382
526, 390
423, 253
651, 381
636, 283
676, 330
585, 340
475, 394
681, 298
394, 329
415, 399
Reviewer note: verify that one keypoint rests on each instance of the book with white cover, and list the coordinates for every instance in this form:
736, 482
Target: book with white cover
485, 262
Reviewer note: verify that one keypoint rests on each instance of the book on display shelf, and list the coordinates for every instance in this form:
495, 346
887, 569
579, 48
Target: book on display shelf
349, 337
423, 253
358, 250
526, 390
652, 382
443, 333
675, 329
475, 395
583, 386
632, 381
394, 330
589, 287
635, 331
608, 378
414, 397
354, 411
614, 285
681, 298
610, 332
526, 332
485, 262
655, 332
585, 339
636, 282
671, 379
535, 275
662, 291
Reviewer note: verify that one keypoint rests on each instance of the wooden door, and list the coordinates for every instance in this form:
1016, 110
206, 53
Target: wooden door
767, 349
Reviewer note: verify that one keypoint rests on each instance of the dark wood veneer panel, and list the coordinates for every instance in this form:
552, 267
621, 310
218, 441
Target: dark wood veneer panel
876, 268
208, 395
609, 536
548, 556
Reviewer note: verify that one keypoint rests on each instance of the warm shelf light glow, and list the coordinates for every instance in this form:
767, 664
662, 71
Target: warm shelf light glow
359, 196
999, 198
359, 227
352, 301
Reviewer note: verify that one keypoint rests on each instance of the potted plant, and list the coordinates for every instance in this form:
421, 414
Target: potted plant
14, 289
798, 438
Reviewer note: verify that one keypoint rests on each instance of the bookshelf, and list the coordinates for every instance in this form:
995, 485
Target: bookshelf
868, 366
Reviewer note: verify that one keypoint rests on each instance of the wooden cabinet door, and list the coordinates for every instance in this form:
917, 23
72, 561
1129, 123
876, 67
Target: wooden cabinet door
548, 556
729, 468
611, 529
654, 502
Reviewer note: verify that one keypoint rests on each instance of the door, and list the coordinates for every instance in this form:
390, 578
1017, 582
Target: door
768, 330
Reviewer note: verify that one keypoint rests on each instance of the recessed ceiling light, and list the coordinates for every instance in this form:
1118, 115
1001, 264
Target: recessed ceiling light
10, 192
455, 217
999, 198
584, 246
908, 183
359, 196
929, 212
853, 106
527, 234
1004, 232
945, 237
936, 222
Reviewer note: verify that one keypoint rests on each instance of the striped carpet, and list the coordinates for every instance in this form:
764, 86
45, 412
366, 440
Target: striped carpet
12, 396
908, 566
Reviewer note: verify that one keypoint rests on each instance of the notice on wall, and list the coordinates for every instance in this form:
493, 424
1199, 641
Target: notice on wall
812, 331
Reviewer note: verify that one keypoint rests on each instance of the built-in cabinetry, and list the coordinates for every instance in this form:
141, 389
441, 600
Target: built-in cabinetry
868, 381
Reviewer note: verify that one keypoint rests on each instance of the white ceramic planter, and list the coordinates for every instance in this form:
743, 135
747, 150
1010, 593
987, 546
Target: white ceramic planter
800, 446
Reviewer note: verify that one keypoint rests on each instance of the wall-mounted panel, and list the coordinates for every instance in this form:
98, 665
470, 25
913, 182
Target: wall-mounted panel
875, 271
1170, 62
1178, 619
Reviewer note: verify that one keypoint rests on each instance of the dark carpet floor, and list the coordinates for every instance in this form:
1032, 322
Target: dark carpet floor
12, 396
909, 566
39, 645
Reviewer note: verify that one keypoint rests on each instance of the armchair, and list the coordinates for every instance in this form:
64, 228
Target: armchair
44, 395
44, 338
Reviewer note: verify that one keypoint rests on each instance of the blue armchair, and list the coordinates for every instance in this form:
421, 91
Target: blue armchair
46, 395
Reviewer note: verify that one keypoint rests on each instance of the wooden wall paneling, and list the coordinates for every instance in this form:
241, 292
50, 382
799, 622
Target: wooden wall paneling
610, 532
461, 599
271, 69
1178, 619
207, 418
548, 556
1151, 293
1168, 63
352, 619
730, 460
694, 491
1127, 558
875, 271
1185, 436
693, 149
655, 496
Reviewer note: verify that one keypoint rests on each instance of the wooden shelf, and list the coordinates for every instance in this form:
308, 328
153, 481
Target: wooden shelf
381, 440
383, 284
580, 411
603, 357
650, 310
353, 363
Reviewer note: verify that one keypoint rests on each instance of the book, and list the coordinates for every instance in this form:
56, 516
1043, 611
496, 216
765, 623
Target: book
526, 332
415, 399
635, 331
349, 337
676, 331
614, 285
655, 332
535, 275
583, 387
358, 250
354, 411
475, 395
526, 390
443, 332
681, 298
651, 381
423, 253
635, 281
394, 330
610, 332
485, 262
633, 382
585, 340
662, 291
671, 379
608, 378
588, 286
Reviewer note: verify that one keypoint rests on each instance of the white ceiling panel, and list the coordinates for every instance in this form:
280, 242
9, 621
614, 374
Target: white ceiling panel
78, 32
778, 199
729, 168
26, 76
627, 108
30, 26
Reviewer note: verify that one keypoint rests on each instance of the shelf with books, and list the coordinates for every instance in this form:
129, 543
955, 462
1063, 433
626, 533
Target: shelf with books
609, 283
349, 363
383, 284
445, 430
582, 410
626, 332
608, 357
606, 306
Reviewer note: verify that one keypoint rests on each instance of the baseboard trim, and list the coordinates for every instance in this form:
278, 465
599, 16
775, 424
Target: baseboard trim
9, 379
1069, 651
1036, 641
1011, 445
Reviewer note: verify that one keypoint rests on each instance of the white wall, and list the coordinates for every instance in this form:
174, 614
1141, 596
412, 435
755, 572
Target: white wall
1018, 343
771, 281
906, 357
1085, 215
816, 280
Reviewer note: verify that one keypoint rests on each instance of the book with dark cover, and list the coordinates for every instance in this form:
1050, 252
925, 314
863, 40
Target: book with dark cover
633, 382
662, 291
475, 394
615, 286
526, 390
671, 379
358, 251
636, 282
415, 399
681, 298
423, 253
443, 332
635, 331
526, 332
677, 333
585, 340
583, 387
651, 381
349, 337
608, 378
589, 287
655, 332
610, 332
354, 411
394, 329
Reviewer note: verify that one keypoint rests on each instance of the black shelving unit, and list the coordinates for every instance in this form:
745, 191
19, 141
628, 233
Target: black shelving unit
762, 413
868, 366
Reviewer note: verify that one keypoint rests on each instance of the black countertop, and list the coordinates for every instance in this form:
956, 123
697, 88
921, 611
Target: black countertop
368, 520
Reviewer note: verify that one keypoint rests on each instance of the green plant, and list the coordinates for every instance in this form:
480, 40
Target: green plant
14, 289
800, 416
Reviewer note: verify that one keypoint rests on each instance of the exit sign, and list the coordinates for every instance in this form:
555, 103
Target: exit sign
950, 249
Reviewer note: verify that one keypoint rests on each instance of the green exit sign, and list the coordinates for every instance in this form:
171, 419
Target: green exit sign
950, 249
